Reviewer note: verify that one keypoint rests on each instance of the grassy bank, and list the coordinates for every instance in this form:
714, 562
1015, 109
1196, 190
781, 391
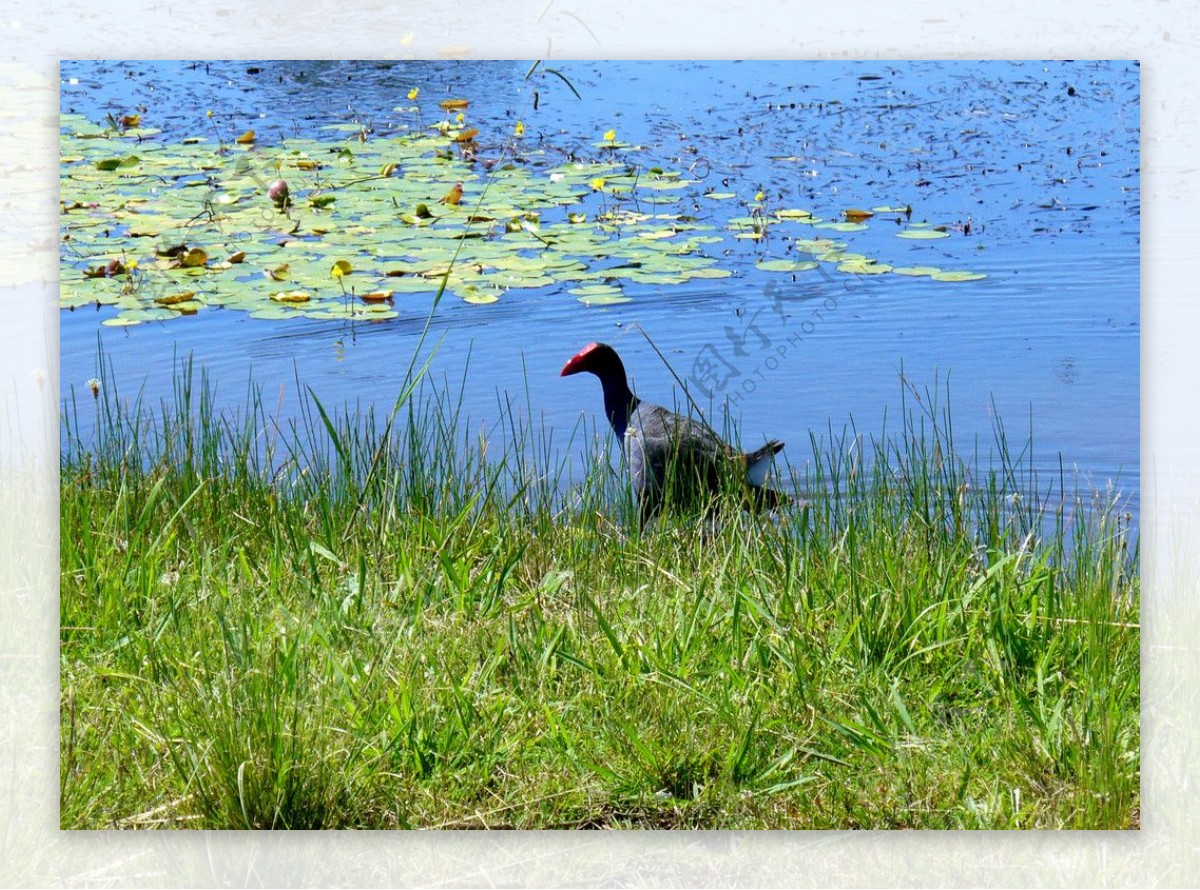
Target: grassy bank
354, 623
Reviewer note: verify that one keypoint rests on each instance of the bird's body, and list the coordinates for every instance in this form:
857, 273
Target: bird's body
672, 458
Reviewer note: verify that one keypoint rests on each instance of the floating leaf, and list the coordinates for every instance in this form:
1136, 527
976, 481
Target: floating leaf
132, 316
785, 265
110, 164
604, 299
596, 290
842, 256
273, 313
957, 276
291, 296
922, 234
858, 267
246, 138
171, 299
857, 215
478, 297
819, 245
720, 196
193, 258
453, 104
376, 296
841, 226
915, 270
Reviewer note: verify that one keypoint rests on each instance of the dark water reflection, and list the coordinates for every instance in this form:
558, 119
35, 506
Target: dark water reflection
1039, 160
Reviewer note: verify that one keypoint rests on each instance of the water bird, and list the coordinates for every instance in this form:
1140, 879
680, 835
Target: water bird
672, 458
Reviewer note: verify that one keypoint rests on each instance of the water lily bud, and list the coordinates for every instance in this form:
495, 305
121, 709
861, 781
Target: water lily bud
278, 192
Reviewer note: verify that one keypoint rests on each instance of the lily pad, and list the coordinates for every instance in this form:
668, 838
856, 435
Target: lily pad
604, 299
842, 226
915, 270
922, 234
957, 276
786, 265
858, 267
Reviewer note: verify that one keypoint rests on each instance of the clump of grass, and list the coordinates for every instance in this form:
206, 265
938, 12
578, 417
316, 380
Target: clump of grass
355, 621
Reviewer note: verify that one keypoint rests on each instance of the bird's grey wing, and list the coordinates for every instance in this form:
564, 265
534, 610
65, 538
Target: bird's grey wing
658, 422
646, 458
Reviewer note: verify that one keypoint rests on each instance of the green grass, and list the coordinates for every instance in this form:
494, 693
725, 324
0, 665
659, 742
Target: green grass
351, 622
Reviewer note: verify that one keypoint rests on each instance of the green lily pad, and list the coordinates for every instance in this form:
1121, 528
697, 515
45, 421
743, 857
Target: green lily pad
842, 256
922, 234
915, 270
842, 226
864, 268
786, 265
957, 276
476, 296
604, 299
108, 165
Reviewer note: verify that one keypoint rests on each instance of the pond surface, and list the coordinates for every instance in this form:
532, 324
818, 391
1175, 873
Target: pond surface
1029, 169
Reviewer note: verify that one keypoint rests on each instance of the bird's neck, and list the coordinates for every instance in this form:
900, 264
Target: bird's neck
619, 401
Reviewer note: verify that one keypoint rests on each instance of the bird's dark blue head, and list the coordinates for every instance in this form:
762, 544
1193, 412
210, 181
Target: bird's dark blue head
602, 360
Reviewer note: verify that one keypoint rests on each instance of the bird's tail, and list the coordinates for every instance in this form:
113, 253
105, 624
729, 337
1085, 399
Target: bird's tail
758, 463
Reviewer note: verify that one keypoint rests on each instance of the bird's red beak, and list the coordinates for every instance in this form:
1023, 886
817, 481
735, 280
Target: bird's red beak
578, 362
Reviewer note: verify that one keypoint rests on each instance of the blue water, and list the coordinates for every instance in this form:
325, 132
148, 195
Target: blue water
1035, 166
